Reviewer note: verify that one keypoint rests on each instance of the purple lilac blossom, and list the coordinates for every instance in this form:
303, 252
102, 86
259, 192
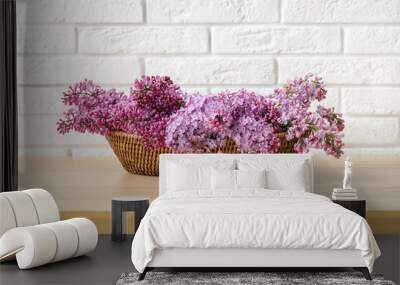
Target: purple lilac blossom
92, 110
321, 129
156, 98
161, 115
198, 127
208, 121
252, 121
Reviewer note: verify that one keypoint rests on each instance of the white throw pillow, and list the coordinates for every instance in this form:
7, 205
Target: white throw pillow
223, 179
251, 178
186, 175
183, 177
288, 176
227, 179
282, 174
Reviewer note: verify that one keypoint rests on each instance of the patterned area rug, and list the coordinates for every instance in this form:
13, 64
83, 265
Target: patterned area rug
269, 278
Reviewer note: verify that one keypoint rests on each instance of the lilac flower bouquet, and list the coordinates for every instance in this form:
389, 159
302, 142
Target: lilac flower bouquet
160, 114
145, 112
93, 109
154, 99
208, 121
320, 129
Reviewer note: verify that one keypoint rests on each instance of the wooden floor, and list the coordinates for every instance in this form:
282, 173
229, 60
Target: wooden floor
110, 260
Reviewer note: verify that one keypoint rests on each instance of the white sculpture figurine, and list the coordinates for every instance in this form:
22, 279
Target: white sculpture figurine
347, 174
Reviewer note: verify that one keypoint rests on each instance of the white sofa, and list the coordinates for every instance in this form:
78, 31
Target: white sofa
31, 230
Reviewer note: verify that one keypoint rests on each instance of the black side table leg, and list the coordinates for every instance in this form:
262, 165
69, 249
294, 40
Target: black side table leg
117, 212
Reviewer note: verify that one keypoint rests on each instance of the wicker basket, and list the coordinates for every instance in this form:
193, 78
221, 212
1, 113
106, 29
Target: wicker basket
137, 159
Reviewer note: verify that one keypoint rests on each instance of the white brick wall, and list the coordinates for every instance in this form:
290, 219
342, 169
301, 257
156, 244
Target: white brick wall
210, 45
375, 101
372, 40
142, 40
212, 11
36, 39
61, 70
274, 40
343, 70
80, 11
341, 11
226, 70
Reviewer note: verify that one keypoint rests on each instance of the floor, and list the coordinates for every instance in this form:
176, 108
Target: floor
110, 260
103, 266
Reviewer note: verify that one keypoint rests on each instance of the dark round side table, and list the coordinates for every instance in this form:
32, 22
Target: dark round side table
122, 204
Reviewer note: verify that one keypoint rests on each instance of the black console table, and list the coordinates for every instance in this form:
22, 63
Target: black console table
119, 205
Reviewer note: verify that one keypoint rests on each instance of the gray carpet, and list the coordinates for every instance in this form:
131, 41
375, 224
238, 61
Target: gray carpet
269, 278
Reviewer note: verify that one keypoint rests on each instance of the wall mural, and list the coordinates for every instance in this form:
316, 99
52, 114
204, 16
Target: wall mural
158, 117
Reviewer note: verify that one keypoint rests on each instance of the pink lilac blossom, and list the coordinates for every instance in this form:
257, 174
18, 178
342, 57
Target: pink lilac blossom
252, 121
156, 112
297, 95
93, 109
208, 121
156, 99
200, 126
321, 129
144, 113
